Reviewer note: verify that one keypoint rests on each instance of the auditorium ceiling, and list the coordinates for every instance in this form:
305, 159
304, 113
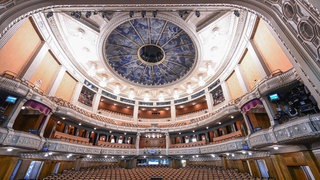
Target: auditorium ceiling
165, 54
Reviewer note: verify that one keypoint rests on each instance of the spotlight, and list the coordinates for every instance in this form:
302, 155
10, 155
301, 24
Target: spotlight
76, 14
236, 13
154, 13
198, 13
183, 13
131, 13
49, 14
104, 14
143, 13
88, 14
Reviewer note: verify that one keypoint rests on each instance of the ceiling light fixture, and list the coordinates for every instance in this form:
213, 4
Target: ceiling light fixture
189, 89
161, 97
146, 97
116, 90
88, 14
76, 14
275, 147
143, 14
131, 14
49, 14
201, 81
154, 13
198, 13
103, 83
236, 13
131, 94
10, 149
175, 94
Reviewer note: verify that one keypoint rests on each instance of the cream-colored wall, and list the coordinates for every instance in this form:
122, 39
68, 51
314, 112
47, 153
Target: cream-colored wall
19, 49
269, 49
66, 87
45, 73
250, 70
234, 87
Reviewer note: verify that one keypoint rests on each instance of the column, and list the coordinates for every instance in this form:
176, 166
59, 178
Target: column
87, 134
96, 101
137, 143
207, 137
242, 82
167, 142
96, 138
136, 111
77, 91
44, 125
257, 59
225, 91
173, 111
77, 132
15, 112
36, 62
53, 129
247, 121
55, 84
268, 108
209, 99
66, 128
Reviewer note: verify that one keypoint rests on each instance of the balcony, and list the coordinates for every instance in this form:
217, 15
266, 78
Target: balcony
299, 129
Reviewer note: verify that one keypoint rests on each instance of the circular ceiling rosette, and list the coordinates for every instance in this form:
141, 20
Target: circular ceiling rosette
150, 51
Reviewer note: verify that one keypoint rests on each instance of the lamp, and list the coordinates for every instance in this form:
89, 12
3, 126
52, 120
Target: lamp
198, 13
116, 90
175, 94
131, 13
131, 94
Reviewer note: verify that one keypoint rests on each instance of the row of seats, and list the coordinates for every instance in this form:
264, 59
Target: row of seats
67, 104
70, 138
191, 144
115, 145
147, 172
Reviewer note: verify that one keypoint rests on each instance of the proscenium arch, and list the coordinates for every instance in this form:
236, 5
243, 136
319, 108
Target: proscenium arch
303, 52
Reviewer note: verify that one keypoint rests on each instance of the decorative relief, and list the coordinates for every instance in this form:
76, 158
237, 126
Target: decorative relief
299, 128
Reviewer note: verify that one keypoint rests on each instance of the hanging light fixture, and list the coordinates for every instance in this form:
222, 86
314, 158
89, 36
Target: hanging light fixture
201, 81
103, 83
131, 94
146, 97
175, 94
161, 96
92, 71
189, 89
116, 90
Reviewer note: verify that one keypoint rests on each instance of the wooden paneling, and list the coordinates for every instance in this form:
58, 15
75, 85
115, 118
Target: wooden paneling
269, 49
152, 142
45, 73
154, 114
20, 48
285, 164
234, 86
7, 164
66, 87
190, 109
249, 71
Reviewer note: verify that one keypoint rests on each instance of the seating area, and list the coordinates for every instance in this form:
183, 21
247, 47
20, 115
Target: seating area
190, 144
226, 137
114, 172
115, 145
70, 138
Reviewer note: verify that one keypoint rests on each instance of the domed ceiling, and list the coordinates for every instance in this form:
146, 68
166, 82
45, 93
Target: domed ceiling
146, 58
150, 52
